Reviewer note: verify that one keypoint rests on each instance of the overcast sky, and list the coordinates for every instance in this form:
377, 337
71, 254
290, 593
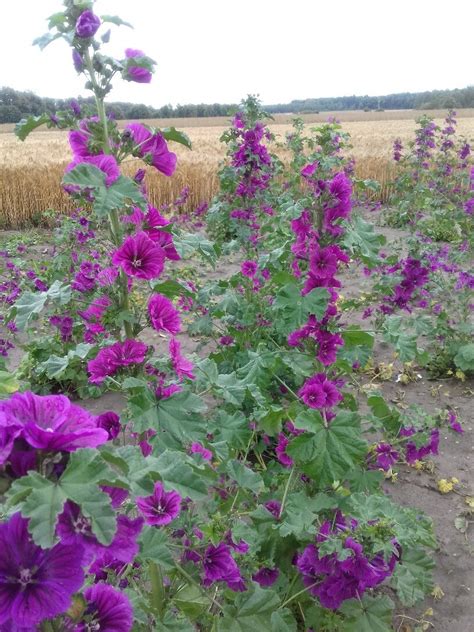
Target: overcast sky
221, 50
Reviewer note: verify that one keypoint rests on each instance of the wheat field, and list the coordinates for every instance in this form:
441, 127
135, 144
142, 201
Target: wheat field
30, 172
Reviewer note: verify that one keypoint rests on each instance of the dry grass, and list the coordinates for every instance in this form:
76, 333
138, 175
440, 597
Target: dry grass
30, 172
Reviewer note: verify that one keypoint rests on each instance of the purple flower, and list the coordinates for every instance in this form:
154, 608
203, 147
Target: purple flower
105, 162
274, 507
74, 528
77, 61
152, 148
107, 610
226, 340
87, 24
139, 256
181, 365
454, 422
110, 422
309, 169
249, 268
163, 315
35, 583
107, 276
386, 456
133, 70
48, 423
110, 359
319, 392
219, 565
280, 450
161, 507
266, 576
198, 448
75, 107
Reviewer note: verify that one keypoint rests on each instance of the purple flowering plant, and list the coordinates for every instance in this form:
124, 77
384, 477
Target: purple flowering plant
239, 491
431, 189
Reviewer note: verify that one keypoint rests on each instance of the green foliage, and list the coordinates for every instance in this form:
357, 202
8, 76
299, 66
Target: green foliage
121, 193
329, 451
42, 500
371, 614
412, 578
464, 359
293, 309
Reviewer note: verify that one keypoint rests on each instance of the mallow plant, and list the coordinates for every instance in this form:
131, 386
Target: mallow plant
236, 493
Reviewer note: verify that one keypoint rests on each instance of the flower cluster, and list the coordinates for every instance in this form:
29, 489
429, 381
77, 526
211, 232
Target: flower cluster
333, 578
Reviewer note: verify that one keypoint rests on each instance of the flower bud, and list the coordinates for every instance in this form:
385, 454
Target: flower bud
87, 24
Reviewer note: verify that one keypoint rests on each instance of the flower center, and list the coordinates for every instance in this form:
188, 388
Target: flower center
136, 263
25, 577
81, 525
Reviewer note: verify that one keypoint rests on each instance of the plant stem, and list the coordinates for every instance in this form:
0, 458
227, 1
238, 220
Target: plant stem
293, 597
114, 222
285, 493
157, 595
187, 576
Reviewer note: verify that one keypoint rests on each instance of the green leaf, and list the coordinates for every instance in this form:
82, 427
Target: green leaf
250, 611
60, 292
8, 383
154, 546
172, 134
79, 482
464, 359
54, 366
362, 241
357, 347
29, 304
179, 415
330, 453
45, 40
293, 309
190, 600
188, 244
301, 513
115, 19
370, 614
283, 621
412, 578
24, 127
178, 475
122, 192
44, 501
171, 289
245, 477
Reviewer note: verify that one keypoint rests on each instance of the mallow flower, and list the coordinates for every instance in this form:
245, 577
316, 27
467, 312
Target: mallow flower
47, 422
161, 507
107, 609
152, 148
137, 66
35, 583
139, 256
87, 24
163, 315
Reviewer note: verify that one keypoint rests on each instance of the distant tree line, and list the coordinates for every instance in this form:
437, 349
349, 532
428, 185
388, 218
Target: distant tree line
15, 105
432, 100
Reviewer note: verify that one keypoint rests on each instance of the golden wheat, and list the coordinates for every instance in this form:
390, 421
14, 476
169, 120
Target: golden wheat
30, 172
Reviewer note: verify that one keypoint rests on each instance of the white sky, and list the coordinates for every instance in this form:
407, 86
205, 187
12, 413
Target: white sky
221, 50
